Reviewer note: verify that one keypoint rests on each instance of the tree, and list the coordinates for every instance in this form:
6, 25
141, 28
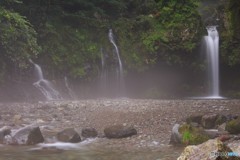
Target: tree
18, 40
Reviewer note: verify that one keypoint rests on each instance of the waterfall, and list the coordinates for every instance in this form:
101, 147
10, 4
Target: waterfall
44, 85
103, 76
212, 51
70, 91
110, 35
120, 78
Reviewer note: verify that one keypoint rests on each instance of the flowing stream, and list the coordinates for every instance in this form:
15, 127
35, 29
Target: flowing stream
81, 152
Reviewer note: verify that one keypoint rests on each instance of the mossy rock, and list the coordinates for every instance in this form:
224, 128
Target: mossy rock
233, 126
192, 135
220, 120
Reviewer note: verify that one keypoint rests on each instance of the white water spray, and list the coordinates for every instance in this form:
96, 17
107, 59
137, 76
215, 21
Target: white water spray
44, 85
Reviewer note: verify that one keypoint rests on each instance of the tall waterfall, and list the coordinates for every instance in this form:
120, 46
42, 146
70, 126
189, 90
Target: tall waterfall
212, 51
120, 78
44, 85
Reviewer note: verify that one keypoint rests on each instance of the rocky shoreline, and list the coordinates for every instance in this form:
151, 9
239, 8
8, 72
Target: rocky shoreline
152, 119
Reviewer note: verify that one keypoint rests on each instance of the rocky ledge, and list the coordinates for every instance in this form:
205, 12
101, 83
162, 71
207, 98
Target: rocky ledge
210, 137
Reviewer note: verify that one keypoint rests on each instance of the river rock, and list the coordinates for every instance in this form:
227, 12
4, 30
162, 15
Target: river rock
6, 130
89, 132
176, 137
69, 135
206, 151
222, 127
208, 121
28, 135
119, 131
17, 118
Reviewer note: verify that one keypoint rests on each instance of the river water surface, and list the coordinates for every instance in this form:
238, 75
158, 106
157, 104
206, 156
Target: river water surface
66, 151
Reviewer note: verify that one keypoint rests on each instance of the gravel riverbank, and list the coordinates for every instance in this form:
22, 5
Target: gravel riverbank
153, 119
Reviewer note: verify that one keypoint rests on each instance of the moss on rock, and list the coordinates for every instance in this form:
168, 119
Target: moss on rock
233, 126
192, 135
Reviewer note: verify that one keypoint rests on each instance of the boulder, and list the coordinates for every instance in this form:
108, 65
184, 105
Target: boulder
28, 135
4, 131
194, 119
208, 121
119, 131
69, 135
233, 126
89, 132
206, 151
176, 137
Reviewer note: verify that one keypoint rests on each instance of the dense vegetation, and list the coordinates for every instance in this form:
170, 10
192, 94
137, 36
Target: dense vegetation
67, 36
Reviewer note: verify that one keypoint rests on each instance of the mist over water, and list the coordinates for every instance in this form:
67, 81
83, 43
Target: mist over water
161, 82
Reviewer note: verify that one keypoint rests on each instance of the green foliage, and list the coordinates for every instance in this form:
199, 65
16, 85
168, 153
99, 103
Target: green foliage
17, 38
176, 29
186, 137
69, 50
129, 32
234, 15
230, 48
71, 33
192, 135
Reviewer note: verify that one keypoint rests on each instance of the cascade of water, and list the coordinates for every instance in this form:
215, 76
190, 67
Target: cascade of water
70, 91
212, 50
44, 85
110, 35
120, 67
103, 77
